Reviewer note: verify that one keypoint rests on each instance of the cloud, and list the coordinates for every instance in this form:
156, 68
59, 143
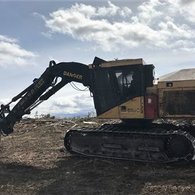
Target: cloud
88, 23
67, 105
186, 1
73, 104
157, 23
188, 10
149, 10
11, 53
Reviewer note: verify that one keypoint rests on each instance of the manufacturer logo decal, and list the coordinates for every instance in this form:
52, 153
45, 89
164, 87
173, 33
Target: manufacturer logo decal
73, 75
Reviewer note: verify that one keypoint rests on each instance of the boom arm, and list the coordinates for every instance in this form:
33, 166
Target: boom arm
41, 89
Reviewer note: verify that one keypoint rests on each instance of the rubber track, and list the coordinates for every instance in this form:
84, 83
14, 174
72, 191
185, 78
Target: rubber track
119, 141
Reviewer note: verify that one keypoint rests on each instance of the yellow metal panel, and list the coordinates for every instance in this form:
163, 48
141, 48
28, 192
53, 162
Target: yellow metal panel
132, 109
176, 84
110, 114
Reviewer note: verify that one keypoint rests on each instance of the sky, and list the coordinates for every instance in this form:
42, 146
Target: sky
32, 33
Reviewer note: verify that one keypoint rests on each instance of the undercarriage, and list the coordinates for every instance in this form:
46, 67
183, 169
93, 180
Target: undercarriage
161, 143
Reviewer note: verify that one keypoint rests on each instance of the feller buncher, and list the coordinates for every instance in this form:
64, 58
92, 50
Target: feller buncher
125, 90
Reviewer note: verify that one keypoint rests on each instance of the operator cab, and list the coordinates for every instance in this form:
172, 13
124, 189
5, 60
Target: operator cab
115, 83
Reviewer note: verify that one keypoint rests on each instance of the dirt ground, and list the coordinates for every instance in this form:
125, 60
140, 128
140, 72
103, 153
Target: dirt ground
33, 161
